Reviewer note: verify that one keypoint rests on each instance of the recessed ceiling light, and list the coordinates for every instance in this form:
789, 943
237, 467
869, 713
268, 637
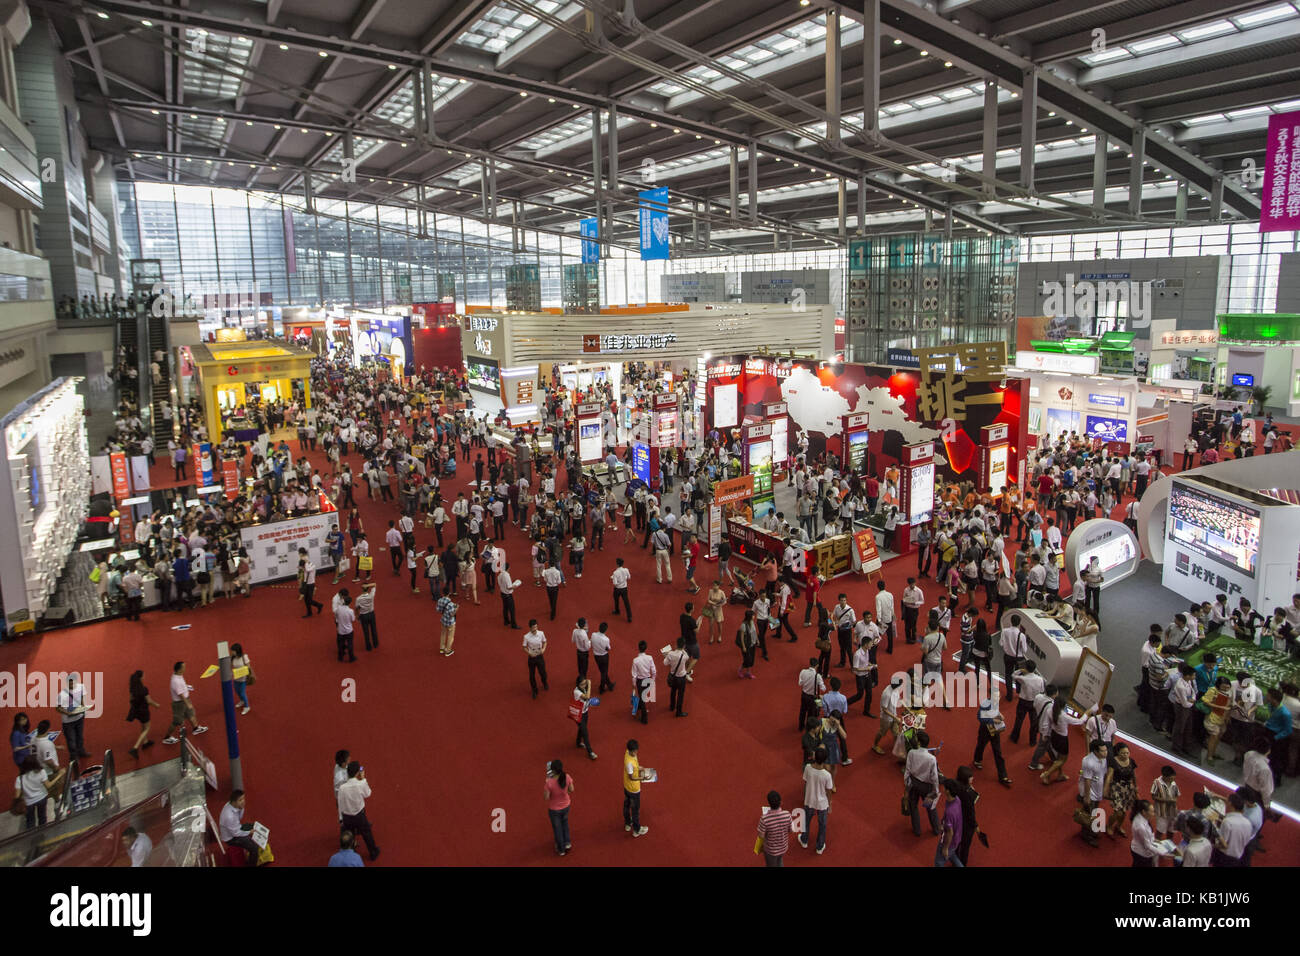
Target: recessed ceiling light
146, 23
925, 53
323, 53
102, 15
154, 112
248, 122
1051, 112
523, 92
304, 131
403, 146
277, 125
328, 133
698, 136
676, 130
654, 125
550, 99
898, 43
392, 66
284, 46
575, 106
947, 62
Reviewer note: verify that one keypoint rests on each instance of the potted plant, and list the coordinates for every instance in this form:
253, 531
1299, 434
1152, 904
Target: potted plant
1260, 397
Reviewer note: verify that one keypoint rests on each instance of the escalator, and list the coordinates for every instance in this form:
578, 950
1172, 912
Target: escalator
89, 798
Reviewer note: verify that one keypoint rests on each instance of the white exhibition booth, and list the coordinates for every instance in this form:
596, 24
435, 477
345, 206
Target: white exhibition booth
1215, 529
1067, 395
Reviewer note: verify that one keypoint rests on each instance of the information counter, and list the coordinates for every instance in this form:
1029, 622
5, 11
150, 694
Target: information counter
1051, 646
831, 557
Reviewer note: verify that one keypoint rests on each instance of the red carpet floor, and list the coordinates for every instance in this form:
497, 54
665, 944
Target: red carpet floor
455, 747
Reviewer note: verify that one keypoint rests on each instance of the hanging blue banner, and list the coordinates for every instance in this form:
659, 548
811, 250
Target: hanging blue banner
641, 461
654, 223
589, 229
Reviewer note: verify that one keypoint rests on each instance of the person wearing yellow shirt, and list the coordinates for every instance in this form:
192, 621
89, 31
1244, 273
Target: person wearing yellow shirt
632, 777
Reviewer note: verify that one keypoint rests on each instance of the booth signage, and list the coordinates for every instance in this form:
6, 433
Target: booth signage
230, 478
1111, 542
763, 430
866, 556
641, 461
995, 433
483, 323
1057, 362
273, 548
1191, 337
733, 489
667, 401
863, 420
1091, 681
121, 477
621, 342
921, 451
773, 409
524, 391
1112, 401
589, 229
902, 358
1280, 204
588, 410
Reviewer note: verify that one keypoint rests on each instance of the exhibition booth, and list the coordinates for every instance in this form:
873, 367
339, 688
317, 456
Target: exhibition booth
1262, 349
233, 376
506, 353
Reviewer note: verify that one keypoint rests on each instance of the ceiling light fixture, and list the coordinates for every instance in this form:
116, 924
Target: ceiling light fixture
284, 46
102, 15
146, 23
392, 66
898, 43
323, 53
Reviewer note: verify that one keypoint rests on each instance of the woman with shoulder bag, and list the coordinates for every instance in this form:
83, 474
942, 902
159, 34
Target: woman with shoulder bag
139, 710
823, 642
240, 661
713, 612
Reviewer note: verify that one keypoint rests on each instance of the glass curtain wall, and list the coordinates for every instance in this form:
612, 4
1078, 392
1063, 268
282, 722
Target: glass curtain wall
212, 240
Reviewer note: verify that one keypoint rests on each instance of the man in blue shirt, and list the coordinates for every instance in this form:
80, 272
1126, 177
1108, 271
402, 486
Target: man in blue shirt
1207, 673
184, 583
835, 702
346, 856
1279, 725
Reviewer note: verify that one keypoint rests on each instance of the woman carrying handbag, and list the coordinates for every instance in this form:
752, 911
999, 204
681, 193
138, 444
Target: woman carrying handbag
243, 673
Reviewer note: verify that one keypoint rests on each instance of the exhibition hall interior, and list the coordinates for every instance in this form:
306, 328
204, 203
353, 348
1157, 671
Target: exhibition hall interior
935, 365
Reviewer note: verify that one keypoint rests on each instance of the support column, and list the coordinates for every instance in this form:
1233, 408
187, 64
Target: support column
833, 75
307, 194
990, 144
612, 126
1099, 176
598, 163
862, 204
426, 81
1135, 171
871, 68
1028, 128
228, 712
1216, 198
734, 182
1180, 201
483, 187
418, 114
752, 150
842, 207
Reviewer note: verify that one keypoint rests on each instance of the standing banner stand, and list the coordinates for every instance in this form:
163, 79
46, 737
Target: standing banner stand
866, 556
777, 414
757, 446
995, 450
856, 443
915, 492
590, 433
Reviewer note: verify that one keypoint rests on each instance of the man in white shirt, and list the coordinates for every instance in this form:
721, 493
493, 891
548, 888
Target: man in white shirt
138, 846
600, 647
1092, 777
913, 598
1235, 833
534, 645
818, 785
506, 587
619, 578
344, 623
1029, 684
921, 783
885, 615
393, 539
643, 680
352, 806
582, 644
72, 705
843, 617
1246, 698
1015, 645
234, 831
811, 686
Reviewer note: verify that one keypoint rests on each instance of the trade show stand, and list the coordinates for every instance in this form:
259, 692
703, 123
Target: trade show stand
831, 557
1051, 646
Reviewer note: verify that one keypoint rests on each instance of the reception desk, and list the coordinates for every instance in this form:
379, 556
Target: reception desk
831, 557
1051, 646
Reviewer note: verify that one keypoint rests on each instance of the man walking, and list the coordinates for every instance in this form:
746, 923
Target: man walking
534, 645
552, 578
447, 608
582, 644
643, 679
811, 686
352, 806
620, 577
775, 827
600, 650
632, 777
818, 786
182, 709
663, 558
677, 662
307, 583
844, 617
344, 621
72, 706
1015, 645
885, 615
913, 598
506, 587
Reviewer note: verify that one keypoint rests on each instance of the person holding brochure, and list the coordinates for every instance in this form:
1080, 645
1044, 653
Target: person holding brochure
633, 777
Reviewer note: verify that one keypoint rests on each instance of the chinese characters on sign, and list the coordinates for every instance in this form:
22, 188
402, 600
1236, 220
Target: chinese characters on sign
627, 343
1209, 576
1201, 337
1280, 206
524, 391
940, 394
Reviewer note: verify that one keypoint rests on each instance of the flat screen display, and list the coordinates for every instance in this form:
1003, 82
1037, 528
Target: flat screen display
725, 406
780, 442
641, 461
666, 428
1107, 429
484, 374
589, 439
1245, 381
1059, 420
921, 500
858, 444
1218, 528
1110, 554
998, 469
